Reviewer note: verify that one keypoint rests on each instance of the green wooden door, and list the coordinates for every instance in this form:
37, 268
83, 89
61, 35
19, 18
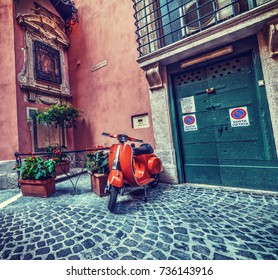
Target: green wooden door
222, 126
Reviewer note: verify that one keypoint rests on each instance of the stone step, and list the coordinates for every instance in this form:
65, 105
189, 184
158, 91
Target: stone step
6, 166
8, 176
8, 181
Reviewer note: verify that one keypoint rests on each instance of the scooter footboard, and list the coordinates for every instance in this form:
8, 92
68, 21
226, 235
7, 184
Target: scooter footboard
116, 178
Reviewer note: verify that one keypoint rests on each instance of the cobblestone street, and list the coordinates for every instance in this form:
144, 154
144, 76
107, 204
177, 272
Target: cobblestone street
178, 222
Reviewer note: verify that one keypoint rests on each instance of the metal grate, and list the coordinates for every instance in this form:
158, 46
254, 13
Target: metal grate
222, 69
162, 22
191, 77
226, 68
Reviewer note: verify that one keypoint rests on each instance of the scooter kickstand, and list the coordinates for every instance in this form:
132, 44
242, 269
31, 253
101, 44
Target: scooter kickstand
145, 191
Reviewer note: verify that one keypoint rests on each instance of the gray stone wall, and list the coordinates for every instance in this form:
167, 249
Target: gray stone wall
270, 71
164, 147
8, 176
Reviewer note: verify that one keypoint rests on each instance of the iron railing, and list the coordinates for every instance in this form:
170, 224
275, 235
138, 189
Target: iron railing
163, 22
77, 165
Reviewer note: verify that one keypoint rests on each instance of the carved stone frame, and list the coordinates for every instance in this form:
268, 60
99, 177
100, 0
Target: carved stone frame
45, 30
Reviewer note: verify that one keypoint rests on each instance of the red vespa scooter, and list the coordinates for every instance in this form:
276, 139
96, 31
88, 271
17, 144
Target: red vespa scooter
130, 166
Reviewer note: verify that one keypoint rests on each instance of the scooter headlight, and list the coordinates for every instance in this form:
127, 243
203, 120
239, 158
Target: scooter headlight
122, 138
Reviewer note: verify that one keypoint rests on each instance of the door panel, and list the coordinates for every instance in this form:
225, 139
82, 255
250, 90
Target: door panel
215, 150
199, 145
236, 78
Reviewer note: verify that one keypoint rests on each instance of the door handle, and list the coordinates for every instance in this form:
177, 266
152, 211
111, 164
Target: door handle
210, 90
220, 130
212, 108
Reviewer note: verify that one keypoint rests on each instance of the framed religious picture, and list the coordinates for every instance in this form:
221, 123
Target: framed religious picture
47, 63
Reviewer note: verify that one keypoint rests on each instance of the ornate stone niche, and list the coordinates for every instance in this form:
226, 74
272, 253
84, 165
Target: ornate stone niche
43, 75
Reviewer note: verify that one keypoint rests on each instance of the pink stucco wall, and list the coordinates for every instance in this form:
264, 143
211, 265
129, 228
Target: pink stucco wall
108, 97
8, 115
112, 94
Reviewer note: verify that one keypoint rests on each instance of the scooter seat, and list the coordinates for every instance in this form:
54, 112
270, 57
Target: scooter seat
143, 149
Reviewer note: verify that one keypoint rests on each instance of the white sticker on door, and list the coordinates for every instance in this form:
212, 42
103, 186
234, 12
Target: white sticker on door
188, 105
239, 117
190, 123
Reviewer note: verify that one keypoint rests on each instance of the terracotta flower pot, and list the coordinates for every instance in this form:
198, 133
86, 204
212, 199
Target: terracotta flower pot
98, 183
40, 188
62, 167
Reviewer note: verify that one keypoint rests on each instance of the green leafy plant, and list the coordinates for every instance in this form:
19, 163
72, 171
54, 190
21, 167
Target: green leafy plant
37, 168
98, 162
60, 116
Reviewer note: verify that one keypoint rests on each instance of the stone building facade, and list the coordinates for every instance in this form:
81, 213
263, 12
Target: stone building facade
240, 23
126, 61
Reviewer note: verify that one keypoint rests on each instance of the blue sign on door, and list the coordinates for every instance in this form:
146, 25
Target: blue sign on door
238, 113
189, 120
239, 117
190, 123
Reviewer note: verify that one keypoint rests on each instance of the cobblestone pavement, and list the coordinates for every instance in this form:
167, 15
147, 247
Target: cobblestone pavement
178, 222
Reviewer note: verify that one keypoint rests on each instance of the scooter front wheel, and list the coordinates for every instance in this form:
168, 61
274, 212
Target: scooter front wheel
113, 198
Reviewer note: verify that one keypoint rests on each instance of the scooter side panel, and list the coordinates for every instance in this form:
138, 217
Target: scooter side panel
143, 175
126, 163
154, 165
147, 165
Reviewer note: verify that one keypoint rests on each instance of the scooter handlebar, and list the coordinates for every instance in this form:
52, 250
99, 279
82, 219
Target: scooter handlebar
135, 140
117, 135
109, 135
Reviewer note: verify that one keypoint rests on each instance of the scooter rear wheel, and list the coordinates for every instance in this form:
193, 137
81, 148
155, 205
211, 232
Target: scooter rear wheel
155, 183
113, 198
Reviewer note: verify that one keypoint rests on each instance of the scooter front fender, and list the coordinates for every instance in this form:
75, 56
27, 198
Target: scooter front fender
116, 178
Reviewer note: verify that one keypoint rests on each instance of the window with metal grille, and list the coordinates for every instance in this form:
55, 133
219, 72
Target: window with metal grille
162, 22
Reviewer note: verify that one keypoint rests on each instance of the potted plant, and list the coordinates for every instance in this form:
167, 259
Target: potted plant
62, 117
37, 176
63, 164
59, 115
98, 168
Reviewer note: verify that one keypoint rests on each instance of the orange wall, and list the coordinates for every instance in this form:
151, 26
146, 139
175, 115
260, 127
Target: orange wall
112, 94
8, 111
